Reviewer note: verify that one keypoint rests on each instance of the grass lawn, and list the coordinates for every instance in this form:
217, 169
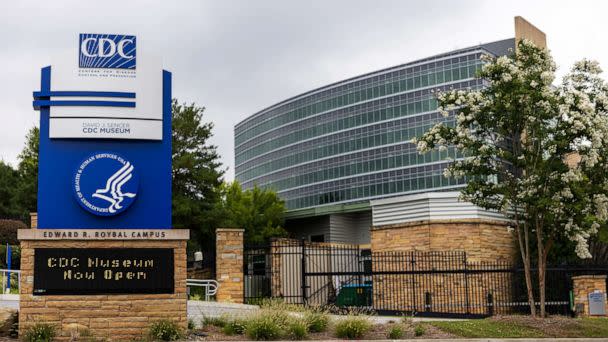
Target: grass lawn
487, 328
522, 326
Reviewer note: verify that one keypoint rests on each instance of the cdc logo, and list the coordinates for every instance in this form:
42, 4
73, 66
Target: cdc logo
107, 51
105, 184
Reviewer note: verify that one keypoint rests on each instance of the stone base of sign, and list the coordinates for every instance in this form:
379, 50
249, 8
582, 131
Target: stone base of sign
108, 316
582, 287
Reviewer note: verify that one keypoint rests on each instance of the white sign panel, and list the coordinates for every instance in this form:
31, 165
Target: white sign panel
106, 128
116, 65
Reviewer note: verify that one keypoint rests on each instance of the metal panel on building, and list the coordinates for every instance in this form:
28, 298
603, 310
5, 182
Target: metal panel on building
427, 206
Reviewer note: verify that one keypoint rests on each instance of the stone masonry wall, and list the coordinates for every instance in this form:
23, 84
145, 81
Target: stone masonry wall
583, 286
229, 264
482, 240
112, 317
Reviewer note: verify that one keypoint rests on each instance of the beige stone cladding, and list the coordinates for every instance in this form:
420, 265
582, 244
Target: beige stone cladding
112, 317
441, 245
229, 264
525, 30
482, 240
583, 286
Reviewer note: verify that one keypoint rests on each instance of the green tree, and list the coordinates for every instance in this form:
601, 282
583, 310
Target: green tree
259, 211
9, 180
533, 151
28, 174
197, 174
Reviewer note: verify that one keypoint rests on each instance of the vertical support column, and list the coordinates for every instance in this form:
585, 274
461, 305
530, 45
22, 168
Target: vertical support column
229, 264
277, 247
583, 286
33, 220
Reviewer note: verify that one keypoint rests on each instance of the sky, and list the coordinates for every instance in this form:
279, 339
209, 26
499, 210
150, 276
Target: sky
238, 57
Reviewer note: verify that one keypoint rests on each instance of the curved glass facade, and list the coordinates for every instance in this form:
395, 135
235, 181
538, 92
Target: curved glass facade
350, 141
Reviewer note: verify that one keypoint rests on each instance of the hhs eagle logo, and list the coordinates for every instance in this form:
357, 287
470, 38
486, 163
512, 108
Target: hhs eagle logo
105, 184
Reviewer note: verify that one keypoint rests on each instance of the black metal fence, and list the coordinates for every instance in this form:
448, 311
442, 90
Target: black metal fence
421, 283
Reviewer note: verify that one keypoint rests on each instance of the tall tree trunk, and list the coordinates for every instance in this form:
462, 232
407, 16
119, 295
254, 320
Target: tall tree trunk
541, 267
542, 272
524, 247
541, 286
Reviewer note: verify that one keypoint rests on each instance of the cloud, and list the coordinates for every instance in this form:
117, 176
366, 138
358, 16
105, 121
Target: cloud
238, 57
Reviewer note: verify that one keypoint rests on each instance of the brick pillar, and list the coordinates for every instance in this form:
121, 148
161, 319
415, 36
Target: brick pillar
229, 264
33, 220
583, 286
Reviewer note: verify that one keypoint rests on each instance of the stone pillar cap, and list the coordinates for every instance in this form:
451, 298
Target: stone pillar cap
229, 230
590, 277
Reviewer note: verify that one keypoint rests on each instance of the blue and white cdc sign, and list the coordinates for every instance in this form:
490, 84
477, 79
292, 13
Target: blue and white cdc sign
105, 135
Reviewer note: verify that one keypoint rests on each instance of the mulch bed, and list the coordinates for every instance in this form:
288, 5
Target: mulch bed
378, 332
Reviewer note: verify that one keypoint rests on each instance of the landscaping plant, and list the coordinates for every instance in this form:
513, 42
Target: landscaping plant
40, 332
352, 327
191, 324
265, 326
165, 330
316, 321
395, 333
234, 327
419, 330
297, 329
219, 321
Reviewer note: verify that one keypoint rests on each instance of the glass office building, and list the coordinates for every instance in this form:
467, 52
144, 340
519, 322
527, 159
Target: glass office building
329, 151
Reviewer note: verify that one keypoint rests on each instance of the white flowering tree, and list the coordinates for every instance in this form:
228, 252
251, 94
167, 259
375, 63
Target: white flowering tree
532, 150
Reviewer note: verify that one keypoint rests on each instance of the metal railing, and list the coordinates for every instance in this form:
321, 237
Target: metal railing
210, 286
8, 283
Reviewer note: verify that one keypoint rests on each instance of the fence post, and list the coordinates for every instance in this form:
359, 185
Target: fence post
466, 284
490, 304
413, 282
303, 271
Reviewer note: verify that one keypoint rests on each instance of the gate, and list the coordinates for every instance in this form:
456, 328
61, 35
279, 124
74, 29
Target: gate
433, 284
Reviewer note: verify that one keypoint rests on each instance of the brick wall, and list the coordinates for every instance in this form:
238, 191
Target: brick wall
482, 240
583, 286
229, 264
114, 317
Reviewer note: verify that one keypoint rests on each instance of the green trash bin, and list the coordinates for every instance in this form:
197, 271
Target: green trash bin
355, 295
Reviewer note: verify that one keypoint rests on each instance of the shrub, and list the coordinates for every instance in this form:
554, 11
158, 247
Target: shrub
264, 326
419, 330
8, 231
352, 327
396, 333
191, 325
40, 332
219, 321
316, 321
297, 329
234, 327
165, 330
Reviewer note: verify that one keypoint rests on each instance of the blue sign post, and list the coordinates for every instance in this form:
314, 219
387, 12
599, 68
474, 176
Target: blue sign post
61, 166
